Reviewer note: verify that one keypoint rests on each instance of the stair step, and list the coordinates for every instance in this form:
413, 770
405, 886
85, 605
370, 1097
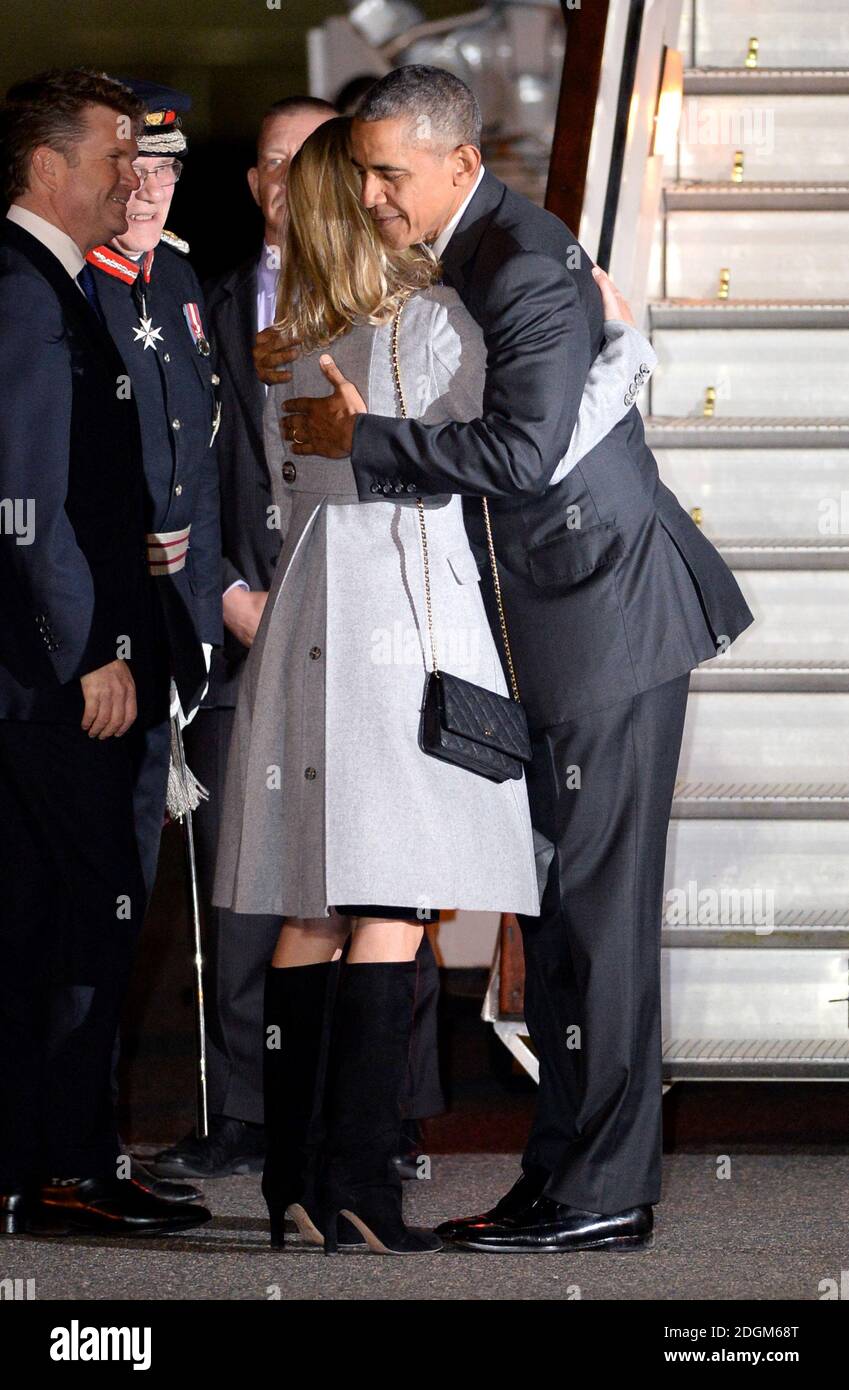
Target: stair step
772, 254
761, 677
802, 554
756, 432
754, 81
789, 932
717, 33
697, 196
749, 313
761, 800
741, 1058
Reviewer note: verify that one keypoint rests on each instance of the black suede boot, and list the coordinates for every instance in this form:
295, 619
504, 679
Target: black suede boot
296, 1024
366, 1080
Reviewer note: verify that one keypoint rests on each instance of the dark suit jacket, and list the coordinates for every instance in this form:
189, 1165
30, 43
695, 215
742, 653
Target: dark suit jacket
609, 587
70, 448
249, 548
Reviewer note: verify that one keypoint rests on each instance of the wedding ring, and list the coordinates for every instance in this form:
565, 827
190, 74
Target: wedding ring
296, 440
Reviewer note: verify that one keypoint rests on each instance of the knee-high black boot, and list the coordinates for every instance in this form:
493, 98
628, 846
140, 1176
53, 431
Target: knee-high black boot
366, 1076
296, 1028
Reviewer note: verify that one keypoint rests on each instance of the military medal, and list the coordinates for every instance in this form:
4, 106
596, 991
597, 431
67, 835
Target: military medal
137, 274
192, 316
147, 334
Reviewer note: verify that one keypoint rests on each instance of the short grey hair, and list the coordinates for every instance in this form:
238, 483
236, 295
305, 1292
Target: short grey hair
439, 106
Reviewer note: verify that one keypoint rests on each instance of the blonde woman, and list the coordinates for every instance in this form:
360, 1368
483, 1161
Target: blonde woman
334, 817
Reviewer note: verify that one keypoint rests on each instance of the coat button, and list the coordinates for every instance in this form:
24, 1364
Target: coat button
166, 357
309, 773
315, 653
411, 487
375, 487
289, 472
386, 489
399, 487
176, 424
178, 490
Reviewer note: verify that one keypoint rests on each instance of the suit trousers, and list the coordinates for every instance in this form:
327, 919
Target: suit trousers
601, 787
72, 906
239, 947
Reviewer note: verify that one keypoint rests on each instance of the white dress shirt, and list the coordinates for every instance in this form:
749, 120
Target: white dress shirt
63, 247
438, 246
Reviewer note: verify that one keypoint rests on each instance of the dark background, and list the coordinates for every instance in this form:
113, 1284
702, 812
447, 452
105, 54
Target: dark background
233, 57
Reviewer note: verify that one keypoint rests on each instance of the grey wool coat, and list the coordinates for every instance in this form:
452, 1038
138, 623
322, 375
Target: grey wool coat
329, 799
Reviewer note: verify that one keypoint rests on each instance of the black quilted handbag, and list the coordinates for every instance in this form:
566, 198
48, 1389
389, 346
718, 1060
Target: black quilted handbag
463, 723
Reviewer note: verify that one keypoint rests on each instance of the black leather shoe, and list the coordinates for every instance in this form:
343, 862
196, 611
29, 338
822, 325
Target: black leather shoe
546, 1225
230, 1147
523, 1191
21, 1215
110, 1207
160, 1187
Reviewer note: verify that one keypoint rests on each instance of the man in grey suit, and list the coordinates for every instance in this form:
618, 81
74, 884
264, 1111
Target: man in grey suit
240, 304
612, 596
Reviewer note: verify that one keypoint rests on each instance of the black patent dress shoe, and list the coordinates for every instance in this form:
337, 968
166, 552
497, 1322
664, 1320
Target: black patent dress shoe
523, 1192
232, 1146
548, 1226
21, 1215
14, 1210
160, 1187
110, 1207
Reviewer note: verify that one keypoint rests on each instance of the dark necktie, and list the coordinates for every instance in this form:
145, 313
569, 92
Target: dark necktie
87, 284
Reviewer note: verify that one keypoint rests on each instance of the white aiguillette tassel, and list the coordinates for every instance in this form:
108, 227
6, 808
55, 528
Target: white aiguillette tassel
185, 792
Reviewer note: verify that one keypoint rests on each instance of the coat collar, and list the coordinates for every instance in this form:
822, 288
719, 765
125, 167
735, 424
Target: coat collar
470, 229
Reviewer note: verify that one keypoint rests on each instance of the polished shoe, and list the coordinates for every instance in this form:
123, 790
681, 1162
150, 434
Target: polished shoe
110, 1207
366, 1075
521, 1194
160, 1187
231, 1146
21, 1215
549, 1226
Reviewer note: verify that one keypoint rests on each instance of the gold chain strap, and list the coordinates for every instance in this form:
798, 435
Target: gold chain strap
491, 548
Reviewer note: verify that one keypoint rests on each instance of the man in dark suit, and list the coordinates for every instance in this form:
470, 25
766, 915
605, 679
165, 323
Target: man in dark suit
612, 596
239, 305
81, 665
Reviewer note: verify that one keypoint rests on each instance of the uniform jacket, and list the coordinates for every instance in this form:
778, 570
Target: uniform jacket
172, 381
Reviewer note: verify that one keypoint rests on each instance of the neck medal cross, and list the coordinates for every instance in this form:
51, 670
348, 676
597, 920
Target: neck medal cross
146, 333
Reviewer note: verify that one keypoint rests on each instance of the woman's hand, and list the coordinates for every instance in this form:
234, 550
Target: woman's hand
614, 304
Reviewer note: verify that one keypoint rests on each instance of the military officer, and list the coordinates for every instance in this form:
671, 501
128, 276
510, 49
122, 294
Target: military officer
153, 307
151, 302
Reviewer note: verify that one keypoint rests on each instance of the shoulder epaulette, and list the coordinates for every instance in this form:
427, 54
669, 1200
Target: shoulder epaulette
175, 242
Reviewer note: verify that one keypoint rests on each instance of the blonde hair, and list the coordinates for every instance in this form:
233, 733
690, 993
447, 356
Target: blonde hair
336, 270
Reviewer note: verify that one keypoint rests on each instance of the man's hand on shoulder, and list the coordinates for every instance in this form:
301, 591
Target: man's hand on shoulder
270, 351
324, 425
110, 700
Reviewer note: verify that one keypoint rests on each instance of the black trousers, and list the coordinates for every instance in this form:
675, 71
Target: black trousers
73, 901
239, 947
601, 788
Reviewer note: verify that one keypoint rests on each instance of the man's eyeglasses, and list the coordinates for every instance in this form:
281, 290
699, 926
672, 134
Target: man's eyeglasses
162, 175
